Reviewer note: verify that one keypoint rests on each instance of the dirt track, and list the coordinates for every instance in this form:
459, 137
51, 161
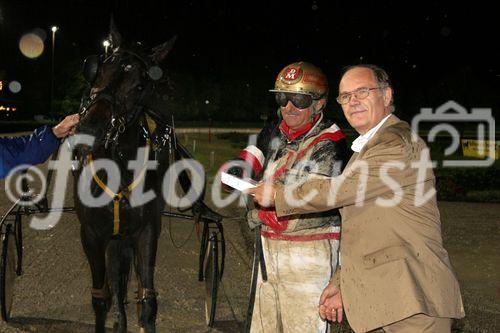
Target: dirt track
53, 295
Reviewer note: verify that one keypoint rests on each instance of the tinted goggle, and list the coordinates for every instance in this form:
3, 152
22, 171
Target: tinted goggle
300, 101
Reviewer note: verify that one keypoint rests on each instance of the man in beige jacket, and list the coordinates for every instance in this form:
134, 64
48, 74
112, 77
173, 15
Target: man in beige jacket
395, 274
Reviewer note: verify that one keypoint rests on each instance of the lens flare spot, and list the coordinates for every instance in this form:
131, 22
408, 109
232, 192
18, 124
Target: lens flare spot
15, 87
31, 45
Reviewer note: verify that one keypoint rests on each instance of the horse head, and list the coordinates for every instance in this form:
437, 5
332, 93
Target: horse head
121, 85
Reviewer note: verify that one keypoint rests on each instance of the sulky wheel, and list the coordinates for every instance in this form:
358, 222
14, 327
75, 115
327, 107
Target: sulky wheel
7, 271
211, 277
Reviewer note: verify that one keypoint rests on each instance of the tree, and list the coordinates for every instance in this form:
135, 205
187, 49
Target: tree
70, 89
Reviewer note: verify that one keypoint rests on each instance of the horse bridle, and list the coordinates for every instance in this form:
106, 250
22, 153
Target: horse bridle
119, 123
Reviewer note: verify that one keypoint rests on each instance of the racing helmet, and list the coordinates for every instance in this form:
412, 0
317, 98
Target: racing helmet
302, 78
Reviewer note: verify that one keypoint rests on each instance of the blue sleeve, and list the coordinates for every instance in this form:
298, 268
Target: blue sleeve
29, 149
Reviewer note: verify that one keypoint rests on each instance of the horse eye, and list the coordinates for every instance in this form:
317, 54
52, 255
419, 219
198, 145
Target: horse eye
139, 87
128, 68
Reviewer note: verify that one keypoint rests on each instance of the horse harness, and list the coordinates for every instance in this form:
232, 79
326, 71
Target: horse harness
156, 137
123, 193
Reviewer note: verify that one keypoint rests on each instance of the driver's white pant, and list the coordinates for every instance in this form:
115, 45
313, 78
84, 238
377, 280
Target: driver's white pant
297, 274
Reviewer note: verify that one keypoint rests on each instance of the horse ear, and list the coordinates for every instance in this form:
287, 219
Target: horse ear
114, 36
160, 52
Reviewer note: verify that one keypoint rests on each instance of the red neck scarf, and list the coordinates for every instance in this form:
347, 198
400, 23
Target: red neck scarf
294, 134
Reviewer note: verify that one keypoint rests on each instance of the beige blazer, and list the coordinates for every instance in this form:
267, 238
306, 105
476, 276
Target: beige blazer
393, 264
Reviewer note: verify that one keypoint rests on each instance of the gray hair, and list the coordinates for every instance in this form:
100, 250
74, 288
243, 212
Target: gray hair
381, 76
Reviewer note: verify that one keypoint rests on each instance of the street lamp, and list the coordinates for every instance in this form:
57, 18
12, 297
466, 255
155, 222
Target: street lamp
54, 29
106, 44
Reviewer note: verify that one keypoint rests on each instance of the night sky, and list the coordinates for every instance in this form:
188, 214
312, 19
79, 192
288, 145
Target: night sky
433, 51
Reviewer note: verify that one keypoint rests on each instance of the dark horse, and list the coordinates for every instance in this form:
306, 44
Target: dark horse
123, 111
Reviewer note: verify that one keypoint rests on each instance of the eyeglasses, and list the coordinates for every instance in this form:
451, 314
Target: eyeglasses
301, 101
360, 93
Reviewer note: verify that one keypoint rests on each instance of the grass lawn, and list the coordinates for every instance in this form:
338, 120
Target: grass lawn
213, 151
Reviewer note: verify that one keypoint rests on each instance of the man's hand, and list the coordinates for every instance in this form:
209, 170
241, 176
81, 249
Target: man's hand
66, 126
330, 304
264, 194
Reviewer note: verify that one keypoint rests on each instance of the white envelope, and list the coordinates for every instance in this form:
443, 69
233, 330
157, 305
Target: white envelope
235, 182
